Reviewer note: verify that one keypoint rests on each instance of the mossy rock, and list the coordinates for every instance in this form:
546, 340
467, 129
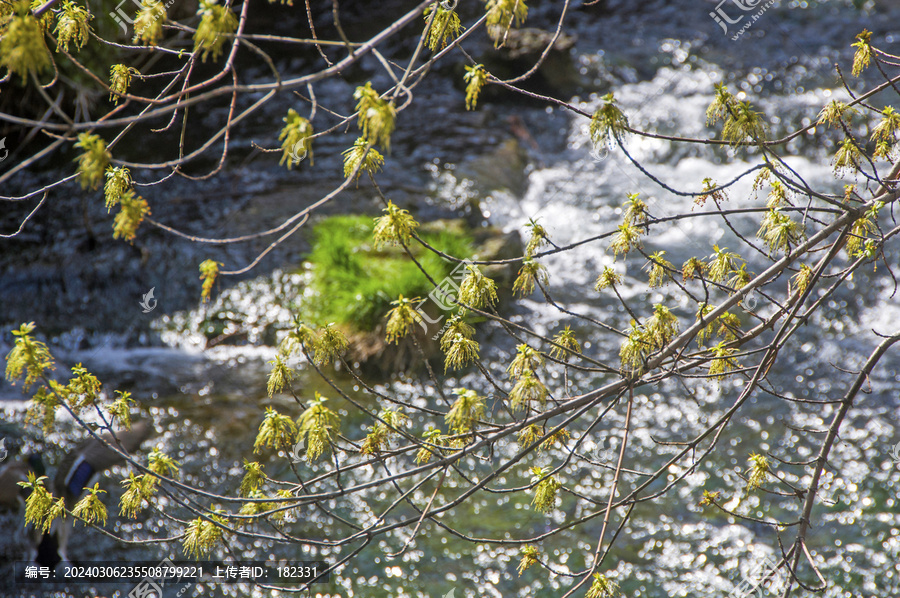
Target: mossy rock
352, 283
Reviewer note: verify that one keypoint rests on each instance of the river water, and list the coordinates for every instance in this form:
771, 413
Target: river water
661, 61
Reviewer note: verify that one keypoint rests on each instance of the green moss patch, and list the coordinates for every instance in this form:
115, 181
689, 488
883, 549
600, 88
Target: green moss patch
351, 282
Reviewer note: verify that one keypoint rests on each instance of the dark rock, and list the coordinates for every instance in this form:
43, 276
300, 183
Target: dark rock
521, 50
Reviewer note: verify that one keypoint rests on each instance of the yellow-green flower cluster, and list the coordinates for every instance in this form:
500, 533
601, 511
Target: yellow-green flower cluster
603, 587
401, 319
148, 24
608, 123
538, 238
642, 340
741, 121
779, 231
567, 345
758, 472
22, 47
375, 116
72, 26
444, 27
396, 227
465, 411
863, 55
530, 272
502, 15
383, 431
202, 535
209, 270
529, 557
133, 210
217, 23
276, 431
660, 269
477, 290
363, 156
296, 139
546, 490
630, 231
317, 426
528, 388
475, 79
93, 161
